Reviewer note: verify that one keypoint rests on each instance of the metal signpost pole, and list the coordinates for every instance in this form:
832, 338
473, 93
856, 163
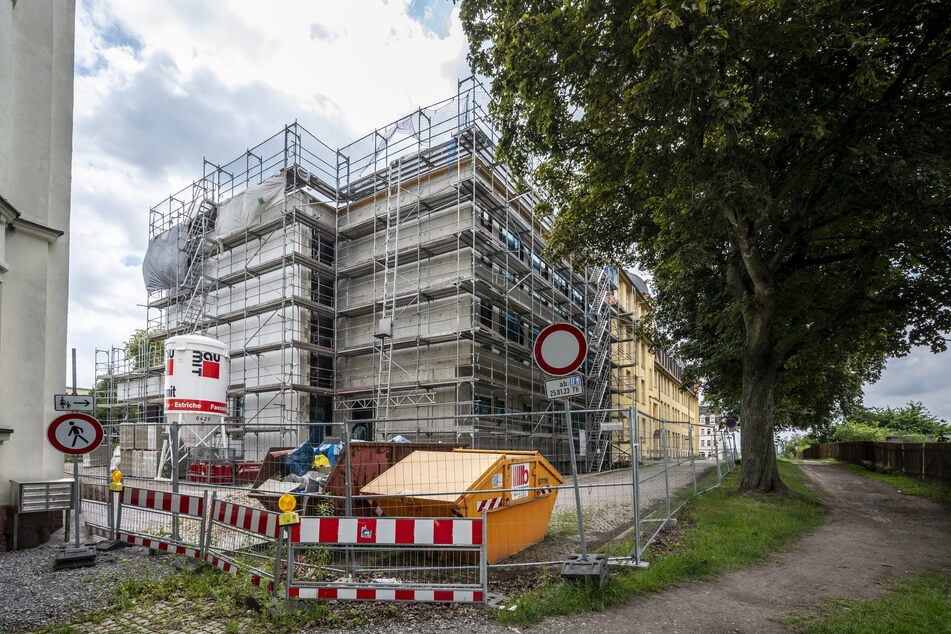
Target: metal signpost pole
348, 490
77, 497
348, 482
716, 452
693, 453
175, 458
574, 475
110, 509
77, 489
666, 448
279, 551
74, 434
559, 350
635, 457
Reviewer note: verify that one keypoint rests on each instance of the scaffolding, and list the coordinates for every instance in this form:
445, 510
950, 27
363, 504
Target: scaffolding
401, 277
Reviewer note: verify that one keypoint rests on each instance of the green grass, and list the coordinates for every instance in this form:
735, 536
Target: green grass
723, 529
909, 485
918, 603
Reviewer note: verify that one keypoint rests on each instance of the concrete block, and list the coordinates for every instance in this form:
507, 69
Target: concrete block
141, 436
125, 461
98, 457
127, 435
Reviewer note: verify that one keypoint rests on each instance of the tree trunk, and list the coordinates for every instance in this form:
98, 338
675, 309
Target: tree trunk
759, 471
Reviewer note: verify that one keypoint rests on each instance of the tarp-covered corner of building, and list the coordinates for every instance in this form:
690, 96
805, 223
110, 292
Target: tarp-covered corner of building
167, 257
243, 210
165, 260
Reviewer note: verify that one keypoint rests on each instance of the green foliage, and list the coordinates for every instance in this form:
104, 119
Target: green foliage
105, 393
792, 447
918, 603
782, 168
913, 419
707, 546
143, 350
848, 431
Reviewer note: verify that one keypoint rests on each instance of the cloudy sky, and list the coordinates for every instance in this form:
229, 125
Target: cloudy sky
162, 84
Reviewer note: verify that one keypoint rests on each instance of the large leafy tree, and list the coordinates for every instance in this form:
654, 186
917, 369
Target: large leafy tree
781, 167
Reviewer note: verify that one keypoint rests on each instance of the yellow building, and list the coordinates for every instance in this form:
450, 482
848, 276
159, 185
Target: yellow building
649, 380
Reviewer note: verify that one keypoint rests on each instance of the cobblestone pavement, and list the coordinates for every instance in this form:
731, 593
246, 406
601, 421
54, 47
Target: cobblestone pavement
175, 617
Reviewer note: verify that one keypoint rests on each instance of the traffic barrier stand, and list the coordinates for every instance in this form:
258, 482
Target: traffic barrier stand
160, 520
243, 540
387, 559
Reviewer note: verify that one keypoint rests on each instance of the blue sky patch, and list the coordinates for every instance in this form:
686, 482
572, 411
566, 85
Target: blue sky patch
435, 15
114, 35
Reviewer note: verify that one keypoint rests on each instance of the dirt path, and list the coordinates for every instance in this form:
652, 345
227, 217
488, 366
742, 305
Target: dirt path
872, 533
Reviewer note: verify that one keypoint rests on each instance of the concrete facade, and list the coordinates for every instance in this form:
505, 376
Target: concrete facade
36, 107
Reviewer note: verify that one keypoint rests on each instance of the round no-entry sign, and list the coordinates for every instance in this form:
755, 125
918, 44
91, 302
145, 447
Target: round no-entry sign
560, 349
75, 433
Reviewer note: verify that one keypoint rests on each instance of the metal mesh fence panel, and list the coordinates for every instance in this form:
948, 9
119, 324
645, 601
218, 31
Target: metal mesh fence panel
632, 480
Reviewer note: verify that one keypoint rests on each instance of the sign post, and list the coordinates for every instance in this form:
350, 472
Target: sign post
560, 349
73, 403
75, 434
568, 386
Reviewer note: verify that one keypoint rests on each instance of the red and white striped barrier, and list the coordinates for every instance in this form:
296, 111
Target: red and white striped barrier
489, 504
232, 568
388, 531
155, 544
388, 594
190, 505
247, 518
222, 513
398, 533
98, 530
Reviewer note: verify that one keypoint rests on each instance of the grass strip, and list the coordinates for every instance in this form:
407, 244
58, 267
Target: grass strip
906, 484
707, 545
917, 603
212, 596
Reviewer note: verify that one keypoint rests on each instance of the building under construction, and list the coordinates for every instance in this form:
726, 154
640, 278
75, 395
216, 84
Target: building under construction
396, 283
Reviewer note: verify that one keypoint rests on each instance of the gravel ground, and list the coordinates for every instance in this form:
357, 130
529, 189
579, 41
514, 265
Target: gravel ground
33, 594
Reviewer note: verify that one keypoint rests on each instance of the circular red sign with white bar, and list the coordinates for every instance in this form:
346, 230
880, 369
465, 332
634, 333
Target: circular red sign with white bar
560, 349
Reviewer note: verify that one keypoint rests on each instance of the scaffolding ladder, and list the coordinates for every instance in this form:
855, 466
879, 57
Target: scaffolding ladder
599, 373
196, 248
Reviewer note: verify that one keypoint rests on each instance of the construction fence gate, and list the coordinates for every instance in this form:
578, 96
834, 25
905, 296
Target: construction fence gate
344, 558
421, 522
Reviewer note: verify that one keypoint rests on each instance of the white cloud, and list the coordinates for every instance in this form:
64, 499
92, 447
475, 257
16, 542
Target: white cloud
162, 84
920, 377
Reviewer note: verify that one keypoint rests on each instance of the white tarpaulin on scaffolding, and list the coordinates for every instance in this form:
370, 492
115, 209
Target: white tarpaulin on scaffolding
246, 208
165, 260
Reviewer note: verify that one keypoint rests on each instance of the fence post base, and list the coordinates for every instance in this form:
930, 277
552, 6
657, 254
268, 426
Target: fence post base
282, 607
591, 567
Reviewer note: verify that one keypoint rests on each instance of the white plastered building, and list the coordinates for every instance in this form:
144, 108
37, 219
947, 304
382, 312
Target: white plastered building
36, 122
